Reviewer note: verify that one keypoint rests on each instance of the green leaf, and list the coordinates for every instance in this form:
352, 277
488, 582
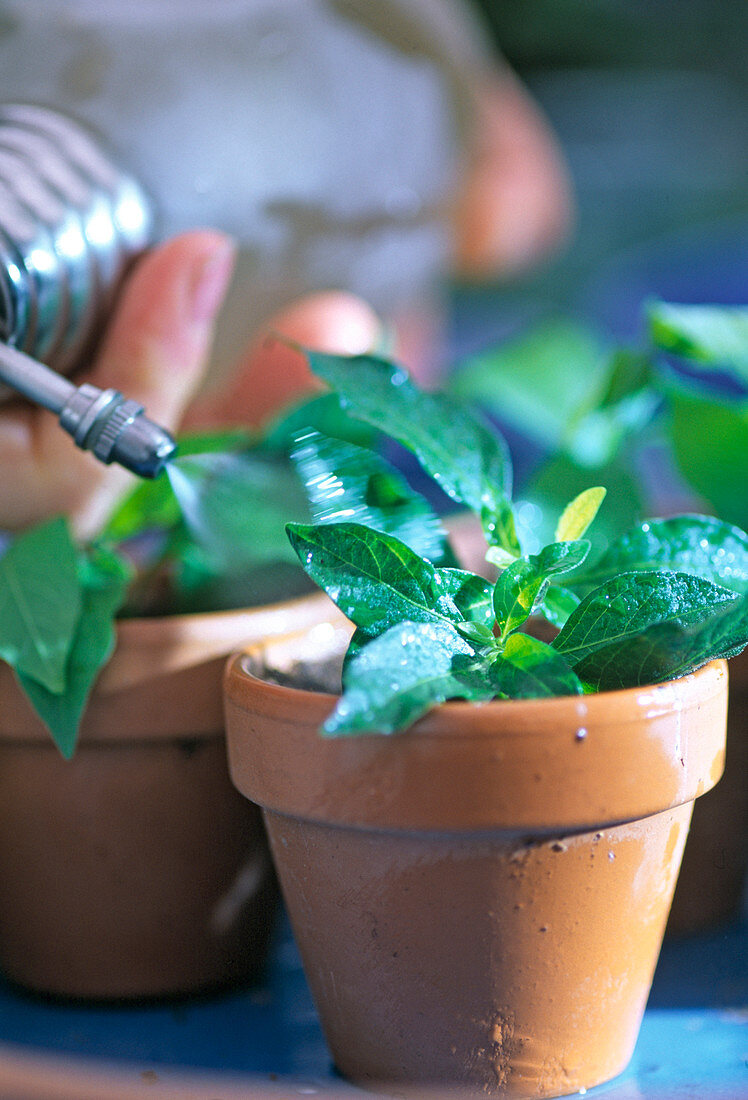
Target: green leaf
521, 587
579, 514
349, 483
630, 374
501, 558
472, 595
561, 387
601, 433
529, 669
699, 545
715, 336
216, 441
710, 443
478, 634
538, 382
501, 532
468, 460
323, 414
558, 604
400, 675
104, 578
650, 626
236, 507
560, 478
150, 505
375, 579
40, 603
624, 408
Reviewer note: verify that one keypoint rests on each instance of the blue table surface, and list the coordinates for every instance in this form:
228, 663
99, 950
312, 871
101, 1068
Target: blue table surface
693, 1042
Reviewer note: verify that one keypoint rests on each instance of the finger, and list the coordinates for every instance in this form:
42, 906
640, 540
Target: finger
156, 350
272, 374
515, 204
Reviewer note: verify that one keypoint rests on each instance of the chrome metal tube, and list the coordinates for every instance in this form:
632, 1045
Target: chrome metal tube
104, 422
70, 224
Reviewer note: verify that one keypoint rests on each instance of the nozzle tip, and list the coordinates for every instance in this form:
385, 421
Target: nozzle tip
143, 447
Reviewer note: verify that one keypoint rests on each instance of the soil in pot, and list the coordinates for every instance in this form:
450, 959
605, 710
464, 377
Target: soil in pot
479, 902
135, 869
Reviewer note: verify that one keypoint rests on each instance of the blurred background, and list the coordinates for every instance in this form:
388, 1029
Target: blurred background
649, 101
329, 135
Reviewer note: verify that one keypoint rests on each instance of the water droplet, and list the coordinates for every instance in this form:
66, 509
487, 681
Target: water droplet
611, 856
580, 734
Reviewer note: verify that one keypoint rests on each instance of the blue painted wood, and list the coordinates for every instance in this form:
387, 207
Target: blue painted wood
693, 1043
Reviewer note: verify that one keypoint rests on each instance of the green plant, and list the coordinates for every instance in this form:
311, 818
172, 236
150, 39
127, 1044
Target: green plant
209, 536
661, 600
625, 416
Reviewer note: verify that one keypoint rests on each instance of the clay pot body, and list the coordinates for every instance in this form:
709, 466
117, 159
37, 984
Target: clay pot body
135, 869
479, 902
712, 880
715, 863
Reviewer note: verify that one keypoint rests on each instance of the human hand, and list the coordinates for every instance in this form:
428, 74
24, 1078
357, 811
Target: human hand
156, 351
514, 206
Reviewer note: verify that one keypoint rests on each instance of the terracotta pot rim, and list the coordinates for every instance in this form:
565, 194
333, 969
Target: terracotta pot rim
162, 681
159, 625
582, 708
568, 763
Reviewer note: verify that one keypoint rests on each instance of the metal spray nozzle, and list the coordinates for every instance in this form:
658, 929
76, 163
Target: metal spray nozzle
70, 224
104, 422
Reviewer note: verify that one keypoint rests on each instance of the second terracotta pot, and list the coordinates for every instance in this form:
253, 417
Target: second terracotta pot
135, 869
479, 902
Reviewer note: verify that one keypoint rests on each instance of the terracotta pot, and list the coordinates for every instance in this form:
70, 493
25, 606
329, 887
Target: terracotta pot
713, 875
479, 902
135, 869
712, 880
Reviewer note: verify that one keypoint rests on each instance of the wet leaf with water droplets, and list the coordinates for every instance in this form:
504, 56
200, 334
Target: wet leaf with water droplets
700, 545
531, 669
348, 483
646, 627
472, 595
374, 578
400, 675
521, 587
456, 447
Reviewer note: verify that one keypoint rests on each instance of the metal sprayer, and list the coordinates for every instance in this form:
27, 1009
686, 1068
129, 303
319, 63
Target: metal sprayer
70, 225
